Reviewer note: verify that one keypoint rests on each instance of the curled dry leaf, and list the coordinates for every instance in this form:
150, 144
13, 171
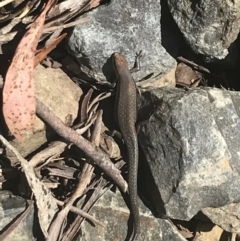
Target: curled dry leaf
19, 104
186, 76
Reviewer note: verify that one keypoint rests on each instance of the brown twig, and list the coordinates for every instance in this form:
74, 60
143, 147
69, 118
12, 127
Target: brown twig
102, 187
96, 154
84, 180
194, 65
88, 117
57, 147
84, 106
86, 174
75, 226
81, 213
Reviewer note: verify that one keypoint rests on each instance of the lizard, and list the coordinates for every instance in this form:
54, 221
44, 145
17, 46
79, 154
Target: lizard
126, 117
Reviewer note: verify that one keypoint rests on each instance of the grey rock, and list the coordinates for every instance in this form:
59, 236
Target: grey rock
112, 211
191, 144
121, 26
227, 217
209, 27
207, 231
11, 207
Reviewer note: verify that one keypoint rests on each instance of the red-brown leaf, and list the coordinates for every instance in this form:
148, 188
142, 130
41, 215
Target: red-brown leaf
19, 105
44, 52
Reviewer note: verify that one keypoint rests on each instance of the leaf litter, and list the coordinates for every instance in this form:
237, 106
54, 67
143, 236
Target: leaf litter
19, 108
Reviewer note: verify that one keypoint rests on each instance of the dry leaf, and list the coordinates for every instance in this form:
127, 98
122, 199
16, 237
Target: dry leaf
40, 56
185, 75
46, 204
19, 104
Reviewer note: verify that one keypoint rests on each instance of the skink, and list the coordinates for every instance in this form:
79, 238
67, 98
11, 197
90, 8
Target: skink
126, 117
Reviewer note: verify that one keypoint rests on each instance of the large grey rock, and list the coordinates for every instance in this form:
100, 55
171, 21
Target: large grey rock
113, 212
121, 26
191, 144
209, 26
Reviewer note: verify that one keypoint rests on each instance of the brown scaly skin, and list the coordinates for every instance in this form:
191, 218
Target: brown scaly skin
126, 117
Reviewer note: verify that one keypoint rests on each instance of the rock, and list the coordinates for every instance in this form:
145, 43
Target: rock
191, 146
112, 211
209, 27
209, 232
167, 80
227, 217
11, 207
61, 95
130, 26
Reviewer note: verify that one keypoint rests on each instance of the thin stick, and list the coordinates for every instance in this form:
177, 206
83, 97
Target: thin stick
84, 180
93, 152
196, 66
81, 213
